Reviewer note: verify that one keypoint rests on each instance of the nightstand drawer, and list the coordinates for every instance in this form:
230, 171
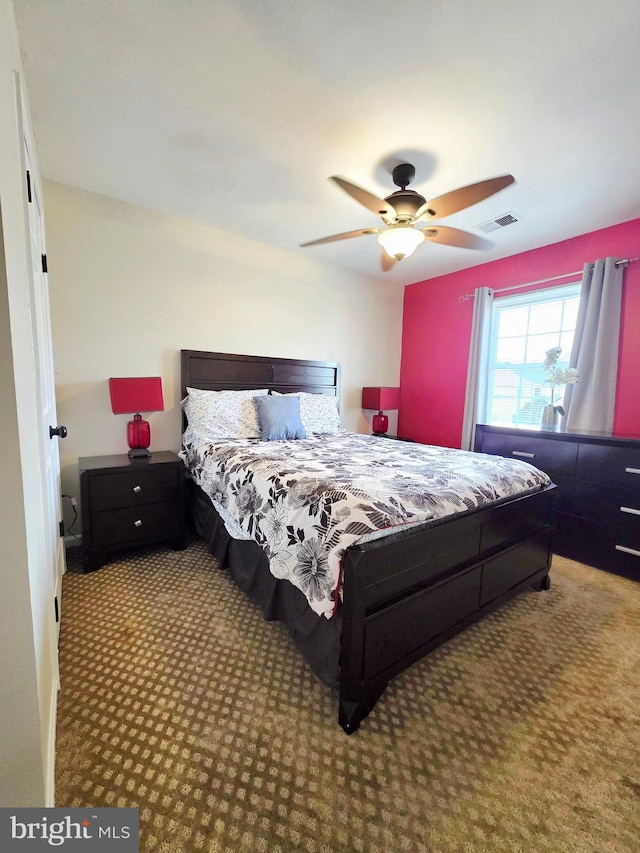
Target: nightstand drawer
133, 488
134, 524
552, 457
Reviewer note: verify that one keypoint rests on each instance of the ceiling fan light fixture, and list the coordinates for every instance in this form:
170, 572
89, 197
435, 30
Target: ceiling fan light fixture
400, 241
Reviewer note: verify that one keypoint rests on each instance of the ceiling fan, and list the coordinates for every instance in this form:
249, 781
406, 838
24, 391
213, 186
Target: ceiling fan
404, 211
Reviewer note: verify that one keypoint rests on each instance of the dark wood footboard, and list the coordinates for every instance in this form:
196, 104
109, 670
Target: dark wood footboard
408, 593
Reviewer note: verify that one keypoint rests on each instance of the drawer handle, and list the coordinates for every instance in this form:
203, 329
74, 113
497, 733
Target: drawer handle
137, 489
137, 523
523, 453
630, 510
632, 470
628, 550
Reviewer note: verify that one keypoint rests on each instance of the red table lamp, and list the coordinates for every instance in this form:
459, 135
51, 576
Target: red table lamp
130, 397
380, 398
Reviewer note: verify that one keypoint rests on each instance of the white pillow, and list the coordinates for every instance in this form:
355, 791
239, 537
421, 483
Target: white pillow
215, 415
318, 412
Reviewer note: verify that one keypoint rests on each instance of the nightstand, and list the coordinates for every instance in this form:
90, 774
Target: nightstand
128, 502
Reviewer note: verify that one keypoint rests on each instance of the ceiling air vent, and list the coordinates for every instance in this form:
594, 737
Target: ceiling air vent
499, 222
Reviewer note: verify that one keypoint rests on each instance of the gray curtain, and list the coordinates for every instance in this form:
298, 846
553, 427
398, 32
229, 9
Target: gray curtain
475, 401
589, 404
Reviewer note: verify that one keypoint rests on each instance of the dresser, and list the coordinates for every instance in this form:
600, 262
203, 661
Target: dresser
129, 502
598, 479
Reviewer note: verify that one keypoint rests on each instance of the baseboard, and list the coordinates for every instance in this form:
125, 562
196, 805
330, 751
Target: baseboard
50, 768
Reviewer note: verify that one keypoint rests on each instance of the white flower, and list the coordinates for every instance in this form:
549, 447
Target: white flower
552, 356
558, 375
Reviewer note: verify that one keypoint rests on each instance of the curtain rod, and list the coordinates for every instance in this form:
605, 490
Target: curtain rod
621, 263
539, 281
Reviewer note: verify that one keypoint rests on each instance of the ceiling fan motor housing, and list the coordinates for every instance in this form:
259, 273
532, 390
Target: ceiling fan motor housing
406, 203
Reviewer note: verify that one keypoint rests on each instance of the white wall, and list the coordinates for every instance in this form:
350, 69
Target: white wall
130, 287
27, 707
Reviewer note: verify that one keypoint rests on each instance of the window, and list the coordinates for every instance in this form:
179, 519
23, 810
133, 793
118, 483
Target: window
523, 328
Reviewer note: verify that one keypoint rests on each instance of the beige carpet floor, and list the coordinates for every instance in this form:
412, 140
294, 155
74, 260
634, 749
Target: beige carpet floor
520, 734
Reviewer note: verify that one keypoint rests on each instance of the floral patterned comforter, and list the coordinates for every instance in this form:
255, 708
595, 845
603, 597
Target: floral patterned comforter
305, 501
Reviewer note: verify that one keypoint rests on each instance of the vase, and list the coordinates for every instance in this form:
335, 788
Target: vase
550, 418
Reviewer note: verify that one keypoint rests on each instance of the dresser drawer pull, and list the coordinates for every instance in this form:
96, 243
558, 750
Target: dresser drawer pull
632, 470
523, 453
137, 489
628, 550
630, 510
137, 523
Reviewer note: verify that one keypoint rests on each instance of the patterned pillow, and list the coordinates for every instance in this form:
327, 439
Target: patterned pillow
215, 415
318, 412
279, 418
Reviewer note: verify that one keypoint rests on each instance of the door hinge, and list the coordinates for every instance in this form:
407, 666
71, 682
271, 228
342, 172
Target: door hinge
44, 264
61, 526
29, 199
57, 608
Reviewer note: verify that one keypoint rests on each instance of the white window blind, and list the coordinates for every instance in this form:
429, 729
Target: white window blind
523, 328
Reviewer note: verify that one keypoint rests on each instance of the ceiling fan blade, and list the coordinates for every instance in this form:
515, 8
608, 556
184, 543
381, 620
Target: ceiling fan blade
346, 235
455, 237
456, 200
370, 201
386, 262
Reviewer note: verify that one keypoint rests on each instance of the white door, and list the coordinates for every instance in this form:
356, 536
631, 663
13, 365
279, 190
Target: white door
40, 457
51, 432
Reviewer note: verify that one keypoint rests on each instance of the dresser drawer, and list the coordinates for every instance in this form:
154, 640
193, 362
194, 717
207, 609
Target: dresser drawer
585, 540
614, 547
564, 499
133, 488
552, 457
607, 504
134, 524
616, 466
627, 534
627, 563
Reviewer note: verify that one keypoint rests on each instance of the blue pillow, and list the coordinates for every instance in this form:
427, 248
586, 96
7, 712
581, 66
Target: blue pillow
279, 418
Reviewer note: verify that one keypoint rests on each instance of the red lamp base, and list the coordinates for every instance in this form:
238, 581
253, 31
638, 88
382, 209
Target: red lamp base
139, 437
380, 424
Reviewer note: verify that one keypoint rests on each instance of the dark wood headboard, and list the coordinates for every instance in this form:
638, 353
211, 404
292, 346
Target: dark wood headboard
220, 371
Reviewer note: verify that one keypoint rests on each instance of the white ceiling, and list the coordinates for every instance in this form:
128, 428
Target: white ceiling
235, 112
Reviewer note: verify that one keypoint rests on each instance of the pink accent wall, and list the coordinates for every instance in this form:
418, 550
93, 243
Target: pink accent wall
436, 332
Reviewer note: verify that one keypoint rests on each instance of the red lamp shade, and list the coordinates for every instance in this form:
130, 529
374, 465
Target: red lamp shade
132, 396
380, 398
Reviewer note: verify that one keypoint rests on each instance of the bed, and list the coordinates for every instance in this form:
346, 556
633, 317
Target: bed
401, 593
